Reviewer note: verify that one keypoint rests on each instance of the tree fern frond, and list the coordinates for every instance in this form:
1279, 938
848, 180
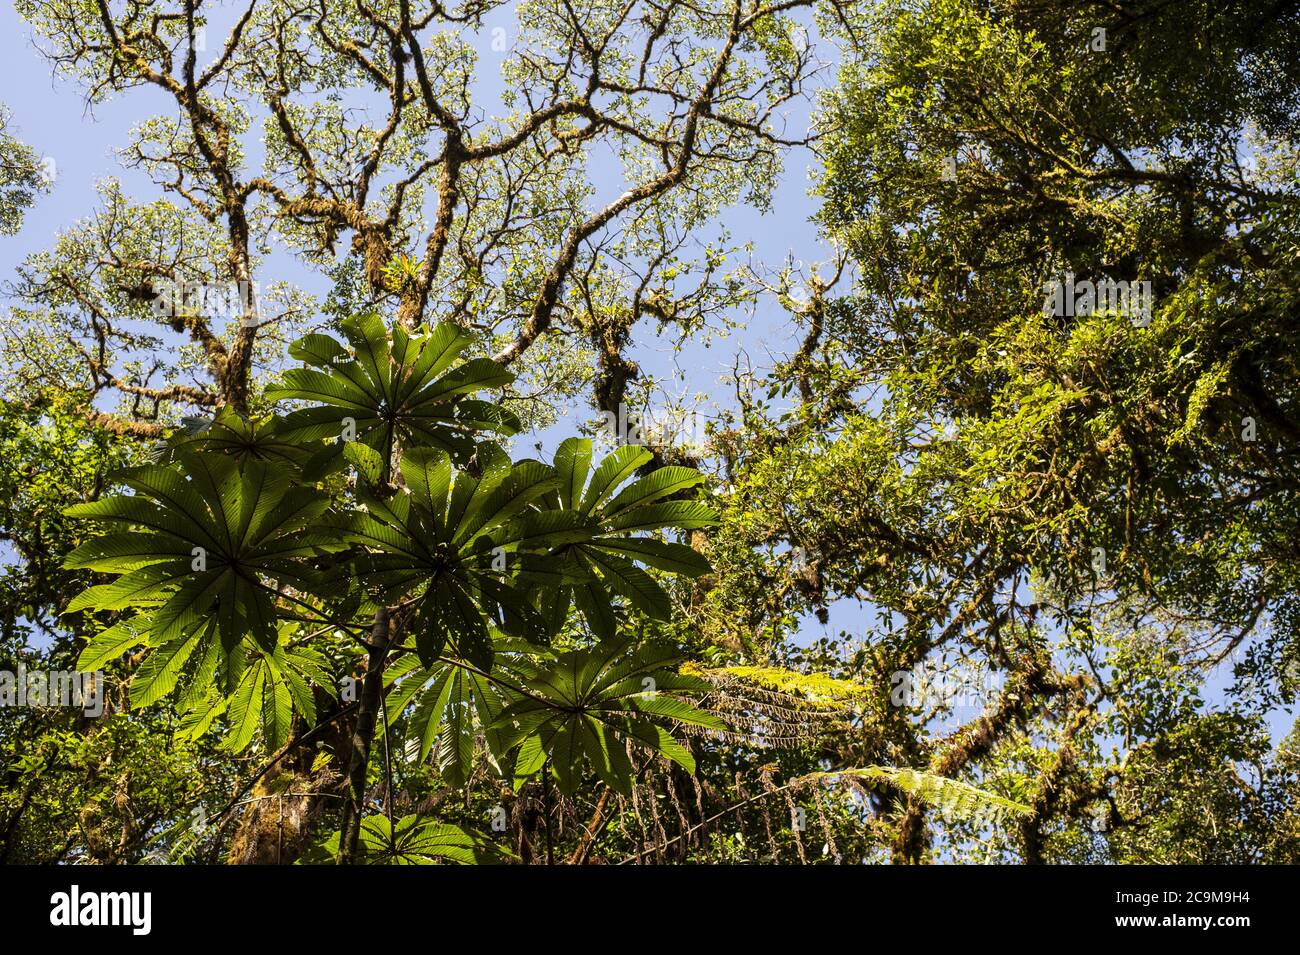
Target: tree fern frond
953, 797
813, 688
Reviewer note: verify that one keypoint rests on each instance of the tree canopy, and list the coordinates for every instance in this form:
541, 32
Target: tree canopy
995, 561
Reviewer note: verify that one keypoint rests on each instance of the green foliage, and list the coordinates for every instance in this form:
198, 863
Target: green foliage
593, 702
1094, 504
334, 598
444, 537
273, 689
390, 391
22, 177
240, 552
954, 797
605, 558
450, 706
217, 539
816, 688
51, 455
101, 796
410, 841
229, 433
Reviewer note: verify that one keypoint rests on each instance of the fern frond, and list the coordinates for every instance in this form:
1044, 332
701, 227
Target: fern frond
814, 689
954, 798
774, 708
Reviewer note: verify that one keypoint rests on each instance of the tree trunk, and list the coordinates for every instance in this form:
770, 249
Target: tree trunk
372, 698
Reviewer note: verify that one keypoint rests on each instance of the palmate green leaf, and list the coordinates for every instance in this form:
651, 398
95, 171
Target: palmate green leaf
620, 674
652, 487
429, 691
572, 465
654, 737
196, 663
428, 476
529, 760
243, 439
317, 349
223, 532
138, 511
449, 614
141, 587
277, 713
510, 609
590, 704
617, 467
494, 503
679, 515
420, 843
212, 673
630, 581
597, 607
545, 530
124, 552
608, 555
445, 708
368, 462
192, 601
397, 389
411, 840
490, 697
246, 710
661, 555
660, 704
170, 489
455, 755
441, 542
551, 576
197, 720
